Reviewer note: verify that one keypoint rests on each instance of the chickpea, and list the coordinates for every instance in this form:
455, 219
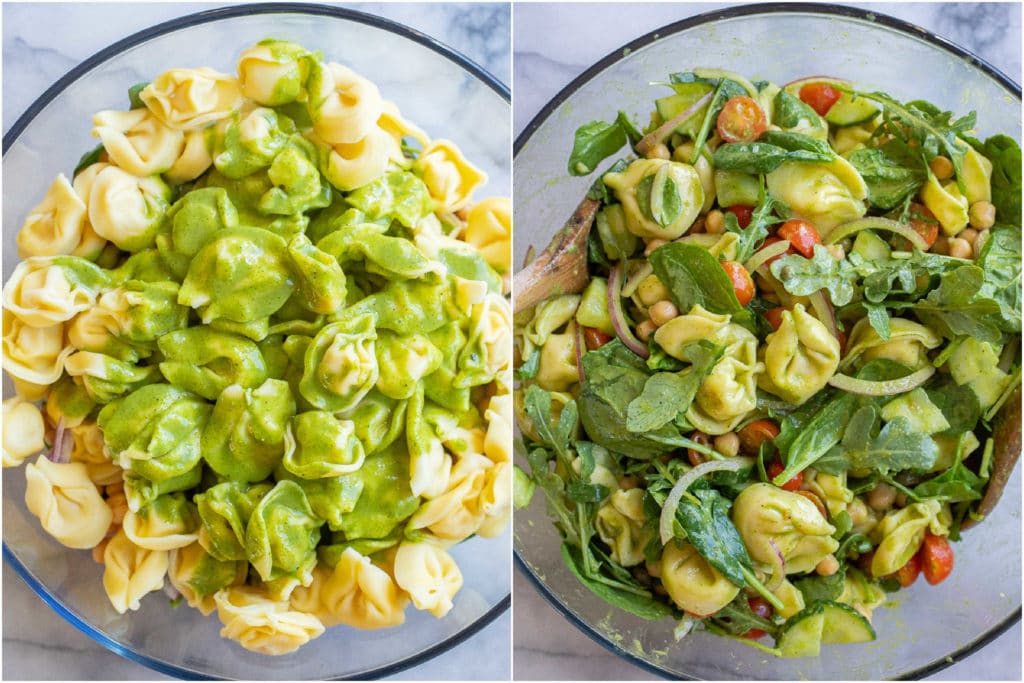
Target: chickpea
858, 512
119, 506
683, 152
728, 444
654, 569
714, 222
901, 500
97, 551
651, 290
941, 246
960, 248
654, 244
828, 566
645, 329
697, 227
982, 215
837, 251
659, 151
662, 312
942, 167
881, 497
969, 234
629, 482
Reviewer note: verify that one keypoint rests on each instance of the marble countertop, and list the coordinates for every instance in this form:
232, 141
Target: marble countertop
547, 647
41, 42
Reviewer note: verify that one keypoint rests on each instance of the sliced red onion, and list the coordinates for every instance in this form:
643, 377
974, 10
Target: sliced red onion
171, 591
659, 134
824, 311
60, 452
579, 351
888, 387
778, 570
765, 254
618, 315
841, 232
668, 510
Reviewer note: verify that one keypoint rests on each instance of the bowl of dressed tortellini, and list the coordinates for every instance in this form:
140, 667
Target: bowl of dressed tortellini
257, 346
755, 443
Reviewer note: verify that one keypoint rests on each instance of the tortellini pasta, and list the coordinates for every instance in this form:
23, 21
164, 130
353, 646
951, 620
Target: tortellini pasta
642, 188
826, 194
908, 344
620, 523
692, 583
268, 327
800, 357
901, 532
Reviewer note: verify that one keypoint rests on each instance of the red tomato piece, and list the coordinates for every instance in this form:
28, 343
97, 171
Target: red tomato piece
756, 433
742, 212
802, 236
908, 573
936, 557
761, 608
924, 223
595, 338
775, 469
819, 96
741, 120
774, 316
742, 284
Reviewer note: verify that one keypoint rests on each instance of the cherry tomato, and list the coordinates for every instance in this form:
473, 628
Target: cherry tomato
774, 316
741, 282
864, 561
907, 574
924, 223
741, 120
755, 434
761, 608
936, 556
772, 240
775, 469
595, 338
742, 212
820, 96
693, 456
802, 236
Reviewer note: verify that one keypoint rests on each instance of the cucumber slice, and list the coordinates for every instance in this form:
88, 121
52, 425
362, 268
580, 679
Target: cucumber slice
870, 246
847, 111
673, 105
844, 624
801, 637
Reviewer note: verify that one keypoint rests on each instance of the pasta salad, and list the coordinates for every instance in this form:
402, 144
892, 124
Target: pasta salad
261, 342
793, 376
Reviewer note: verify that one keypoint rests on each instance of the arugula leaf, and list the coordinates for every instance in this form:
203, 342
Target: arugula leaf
805, 276
694, 276
1000, 259
633, 134
529, 367
88, 159
889, 182
955, 308
878, 318
553, 487
667, 395
956, 485
770, 151
554, 434
594, 142
1004, 153
711, 531
134, 101
638, 601
895, 448
751, 237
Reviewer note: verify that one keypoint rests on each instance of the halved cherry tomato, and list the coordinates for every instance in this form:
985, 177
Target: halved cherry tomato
775, 469
756, 433
924, 223
774, 316
936, 556
742, 212
595, 338
772, 240
761, 608
802, 236
820, 96
741, 120
741, 282
693, 456
908, 573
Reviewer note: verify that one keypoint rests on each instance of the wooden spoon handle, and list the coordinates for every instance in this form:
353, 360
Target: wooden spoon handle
1006, 433
562, 267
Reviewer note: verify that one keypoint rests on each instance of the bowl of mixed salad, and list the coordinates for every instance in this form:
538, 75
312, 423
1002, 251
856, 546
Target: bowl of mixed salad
769, 371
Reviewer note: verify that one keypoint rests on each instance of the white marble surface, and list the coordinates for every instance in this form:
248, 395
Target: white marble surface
41, 42
549, 52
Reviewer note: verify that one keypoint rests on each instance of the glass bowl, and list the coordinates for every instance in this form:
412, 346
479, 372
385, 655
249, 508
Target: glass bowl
922, 629
439, 89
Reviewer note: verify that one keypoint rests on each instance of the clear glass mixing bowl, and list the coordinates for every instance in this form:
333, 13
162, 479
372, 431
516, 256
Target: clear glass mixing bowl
444, 93
923, 628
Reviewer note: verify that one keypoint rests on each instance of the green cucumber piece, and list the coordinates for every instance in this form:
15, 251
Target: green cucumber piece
734, 187
686, 95
851, 111
801, 636
844, 624
870, 246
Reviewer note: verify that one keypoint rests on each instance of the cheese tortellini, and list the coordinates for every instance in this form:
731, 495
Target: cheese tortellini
800, 357
693, 584
642, 189
825, 194
262, 342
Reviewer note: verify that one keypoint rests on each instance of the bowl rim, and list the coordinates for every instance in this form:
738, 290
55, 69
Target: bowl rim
625, 52
176, 24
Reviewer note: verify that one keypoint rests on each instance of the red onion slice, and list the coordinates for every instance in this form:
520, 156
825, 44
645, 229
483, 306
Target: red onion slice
618, 315
579, 350
60, 452
763, 255
824, 311
778, 570
668, 510
840, 232
889, 387
658, 135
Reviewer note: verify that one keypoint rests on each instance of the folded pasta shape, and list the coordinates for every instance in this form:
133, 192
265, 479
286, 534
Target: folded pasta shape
127, 209
620, 524
799, 357
343, 105
384, 500
488, 349
198, 576
137, 141
130, 572
67, 503
194, 160
247, 432
282, 532
46, 290
249, 141
260, 624
224, 512
320, 280
429, 464
106, 378
489, 229
89, 449
900, 533
24, 431
693, 584
351, 165
35, 355
908, 344
340, 364
450, 178
458, 512
318, 445
184, 99
499, 417
169, 522
429, 575
206, 362
403, 362
825, 194
192, 222
641, 188
361, 594
57, 225
273, 72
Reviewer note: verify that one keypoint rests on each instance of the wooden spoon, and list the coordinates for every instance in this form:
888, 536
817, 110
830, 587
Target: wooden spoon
1007, 434
562, 267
